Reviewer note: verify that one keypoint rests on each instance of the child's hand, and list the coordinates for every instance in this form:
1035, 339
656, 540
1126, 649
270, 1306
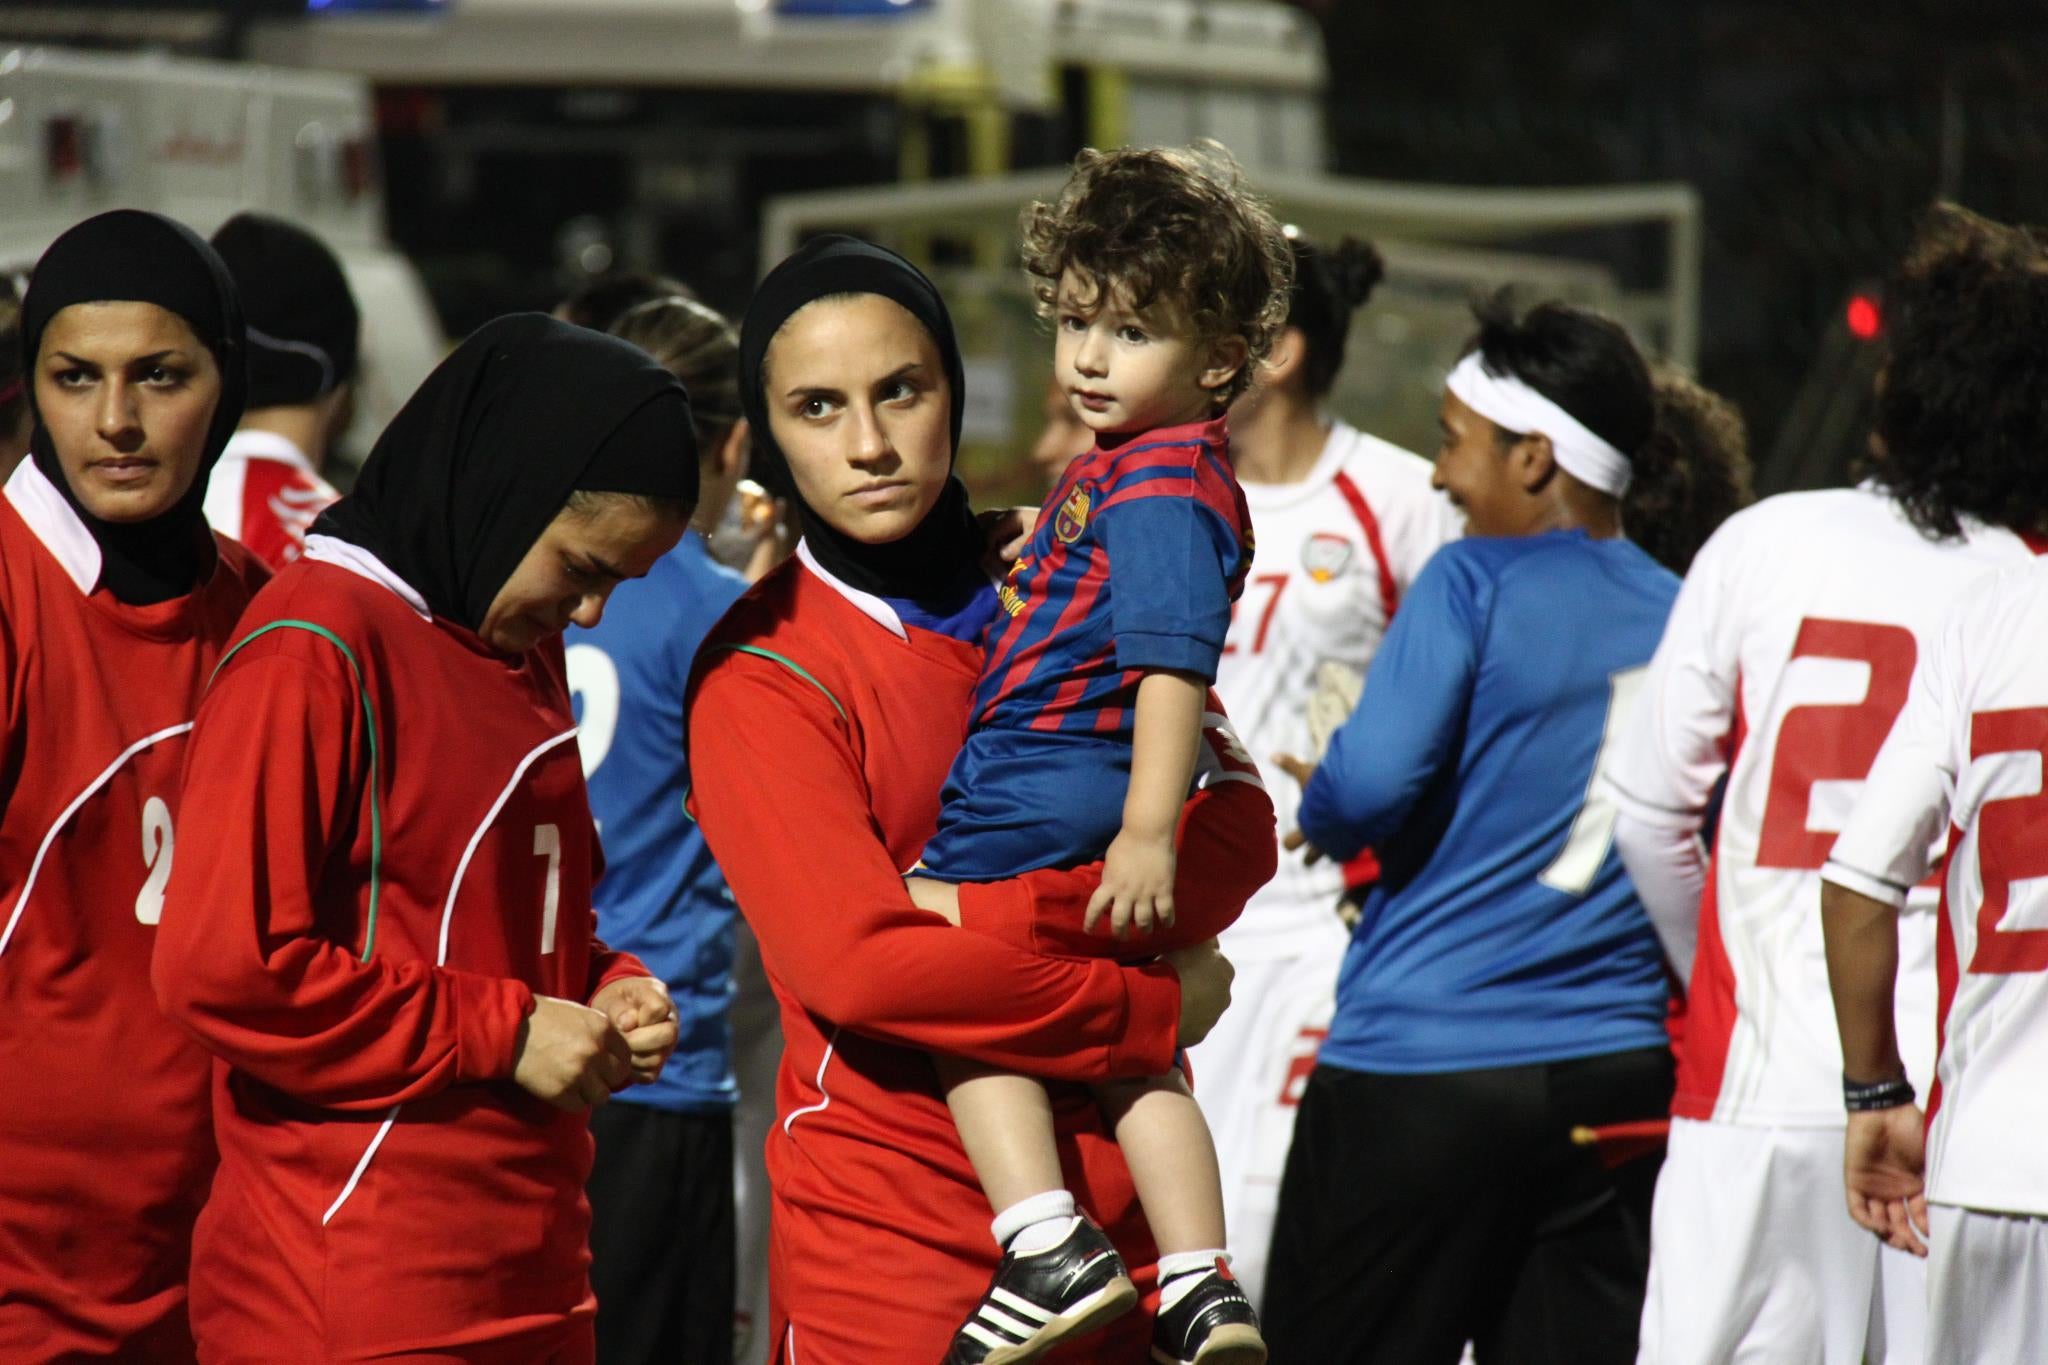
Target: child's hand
1137, 886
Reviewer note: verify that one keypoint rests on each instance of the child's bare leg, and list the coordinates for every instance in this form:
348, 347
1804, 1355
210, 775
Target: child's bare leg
1166, 1143
941, 898
1005, 1123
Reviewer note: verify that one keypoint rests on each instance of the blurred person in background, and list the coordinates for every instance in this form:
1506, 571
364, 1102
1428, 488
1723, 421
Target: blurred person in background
661, 1186
304, 330
1503, 985
1784, 666
1672, 523
1345, 522
604, 300
15, 422
1064, 436
116, 602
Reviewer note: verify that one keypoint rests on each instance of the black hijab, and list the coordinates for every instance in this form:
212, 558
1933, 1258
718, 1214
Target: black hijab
484, 455
131, 256
933, 558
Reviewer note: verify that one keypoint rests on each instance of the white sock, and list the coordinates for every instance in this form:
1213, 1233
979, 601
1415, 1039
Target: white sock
1181, 1271
1036, 1223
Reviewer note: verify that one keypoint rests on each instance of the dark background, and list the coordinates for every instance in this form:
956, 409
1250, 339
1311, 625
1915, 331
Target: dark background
1815, 133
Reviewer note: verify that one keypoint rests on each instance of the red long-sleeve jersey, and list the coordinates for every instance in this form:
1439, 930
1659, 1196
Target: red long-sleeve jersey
105, 1141
816, 790
384, 1188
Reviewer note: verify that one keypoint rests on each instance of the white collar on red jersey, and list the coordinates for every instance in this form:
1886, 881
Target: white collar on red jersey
56, 523
344, 554
251, 444
866, 603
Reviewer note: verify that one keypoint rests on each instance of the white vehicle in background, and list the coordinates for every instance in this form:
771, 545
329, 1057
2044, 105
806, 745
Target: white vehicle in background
83, 132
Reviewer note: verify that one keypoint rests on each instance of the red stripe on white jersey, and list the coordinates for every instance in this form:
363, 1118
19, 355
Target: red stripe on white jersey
1390, 592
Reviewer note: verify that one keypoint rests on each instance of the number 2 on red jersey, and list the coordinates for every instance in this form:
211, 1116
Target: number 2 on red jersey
1831, 742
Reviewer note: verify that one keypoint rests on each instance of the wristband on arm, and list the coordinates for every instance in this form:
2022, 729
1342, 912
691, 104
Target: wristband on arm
1860, 1097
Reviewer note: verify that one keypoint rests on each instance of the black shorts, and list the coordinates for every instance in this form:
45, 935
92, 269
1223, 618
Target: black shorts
1421, 1212
661, 1235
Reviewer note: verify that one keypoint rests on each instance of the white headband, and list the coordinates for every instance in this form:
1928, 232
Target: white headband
1509, 403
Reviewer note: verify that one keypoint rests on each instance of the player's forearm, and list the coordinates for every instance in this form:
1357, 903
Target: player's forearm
1668, 866
1164, 745
1862, 937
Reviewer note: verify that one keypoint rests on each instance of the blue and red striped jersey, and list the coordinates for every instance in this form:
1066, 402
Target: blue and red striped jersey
1137, 556
1139, 552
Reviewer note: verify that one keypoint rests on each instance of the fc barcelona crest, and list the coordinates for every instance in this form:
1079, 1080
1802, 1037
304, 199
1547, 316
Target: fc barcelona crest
1072, 518
1325, 555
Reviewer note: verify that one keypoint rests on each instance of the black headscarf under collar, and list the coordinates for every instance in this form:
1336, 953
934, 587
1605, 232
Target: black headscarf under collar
131, 256
484, 455
932, 559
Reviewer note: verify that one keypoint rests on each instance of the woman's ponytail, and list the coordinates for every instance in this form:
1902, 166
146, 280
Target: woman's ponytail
1690, 475
1330, 284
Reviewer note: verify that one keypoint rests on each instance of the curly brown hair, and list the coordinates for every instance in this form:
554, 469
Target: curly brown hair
1962, 404
1170, 226
1691, 475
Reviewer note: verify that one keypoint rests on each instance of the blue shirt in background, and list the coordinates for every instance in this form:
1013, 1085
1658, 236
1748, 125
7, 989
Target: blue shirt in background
1503, 931
661, 897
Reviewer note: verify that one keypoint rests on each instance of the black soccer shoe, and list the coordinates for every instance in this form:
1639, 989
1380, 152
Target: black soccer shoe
1212, 1324
1039, 1300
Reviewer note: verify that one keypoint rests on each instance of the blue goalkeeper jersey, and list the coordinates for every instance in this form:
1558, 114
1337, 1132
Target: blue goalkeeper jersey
662, 897
1504, 930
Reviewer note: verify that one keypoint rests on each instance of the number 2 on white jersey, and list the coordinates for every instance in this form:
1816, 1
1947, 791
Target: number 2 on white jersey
157, 846
1585, 848
547, 843
595, 679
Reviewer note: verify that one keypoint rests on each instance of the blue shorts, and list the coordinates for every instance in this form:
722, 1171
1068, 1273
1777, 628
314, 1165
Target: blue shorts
1020, 800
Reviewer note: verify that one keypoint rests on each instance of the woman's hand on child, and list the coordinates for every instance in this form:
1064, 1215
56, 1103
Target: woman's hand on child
1005, 532
640, 1009
1137, 886
1205, 976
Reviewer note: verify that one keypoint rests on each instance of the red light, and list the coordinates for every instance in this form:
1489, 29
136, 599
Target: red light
63, 148
1865, 322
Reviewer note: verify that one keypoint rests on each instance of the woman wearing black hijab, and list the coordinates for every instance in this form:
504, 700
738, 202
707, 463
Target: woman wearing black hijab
115, 603
381, 916
828, 705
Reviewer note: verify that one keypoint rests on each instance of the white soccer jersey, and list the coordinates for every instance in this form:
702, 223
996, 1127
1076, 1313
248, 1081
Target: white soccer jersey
1784, 664
1967, 754
1335, 553
265, 493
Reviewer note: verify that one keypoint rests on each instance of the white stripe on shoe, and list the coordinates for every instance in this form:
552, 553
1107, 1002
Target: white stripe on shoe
997, 1318
1017, 1303
984, 1336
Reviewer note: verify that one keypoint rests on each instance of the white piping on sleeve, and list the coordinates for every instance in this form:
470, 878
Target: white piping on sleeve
50, 835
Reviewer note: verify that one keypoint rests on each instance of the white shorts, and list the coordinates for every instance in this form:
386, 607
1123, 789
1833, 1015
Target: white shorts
756, 1053
1249, 1073
1987, 1286
1754, 1259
